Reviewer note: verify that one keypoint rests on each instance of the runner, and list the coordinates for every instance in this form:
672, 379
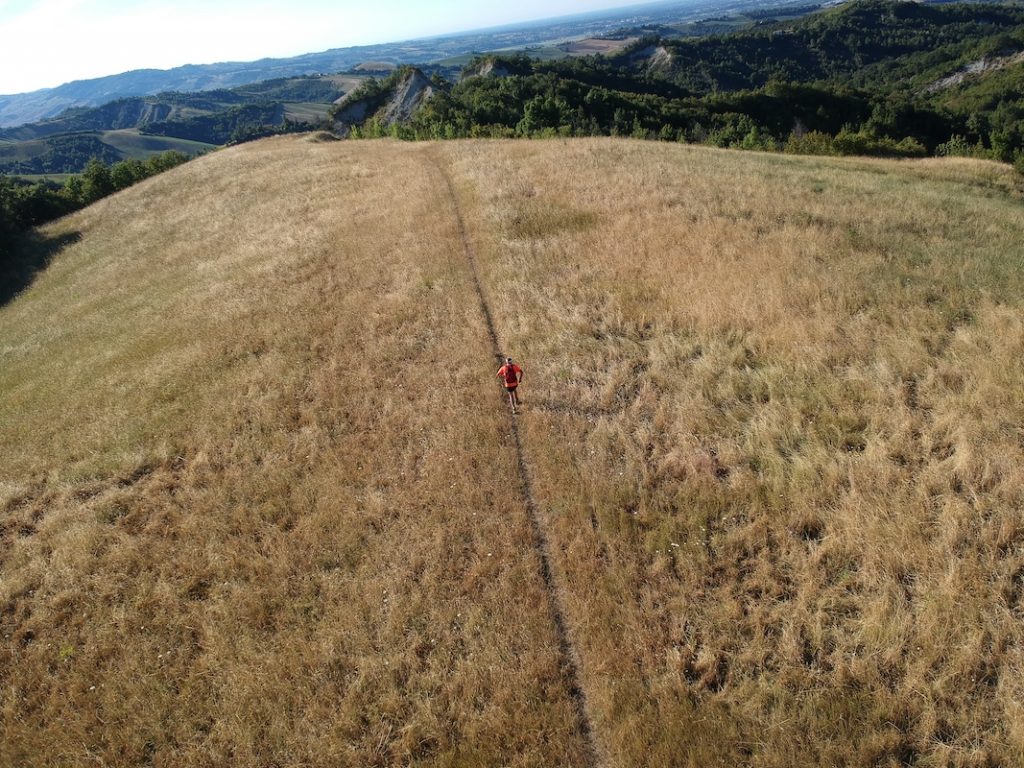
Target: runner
511, 374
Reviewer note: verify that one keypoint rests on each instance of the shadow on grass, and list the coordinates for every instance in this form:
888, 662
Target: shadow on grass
591, 413
23, 256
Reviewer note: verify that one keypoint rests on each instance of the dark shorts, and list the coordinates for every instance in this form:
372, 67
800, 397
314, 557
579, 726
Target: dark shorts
511, 387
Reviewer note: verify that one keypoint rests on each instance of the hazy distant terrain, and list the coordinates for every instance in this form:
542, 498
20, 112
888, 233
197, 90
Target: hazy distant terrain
29, 107
864, 78
140, 126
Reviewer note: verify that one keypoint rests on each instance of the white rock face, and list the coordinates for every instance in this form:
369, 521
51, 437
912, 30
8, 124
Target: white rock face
413, 91
978, 67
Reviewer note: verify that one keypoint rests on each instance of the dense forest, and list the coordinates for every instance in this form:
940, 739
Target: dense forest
859, 79
857, 42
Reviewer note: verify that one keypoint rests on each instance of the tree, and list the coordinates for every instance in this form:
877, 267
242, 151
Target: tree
74, 189
127, 172
7, 206
164, 162
96, 181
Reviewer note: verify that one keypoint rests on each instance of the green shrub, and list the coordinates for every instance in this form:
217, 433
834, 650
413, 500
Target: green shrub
811, 143
957, 146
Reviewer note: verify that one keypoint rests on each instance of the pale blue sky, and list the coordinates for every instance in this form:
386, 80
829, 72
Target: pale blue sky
44, 43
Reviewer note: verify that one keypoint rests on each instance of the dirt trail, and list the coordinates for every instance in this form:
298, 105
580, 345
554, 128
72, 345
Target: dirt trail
570, 655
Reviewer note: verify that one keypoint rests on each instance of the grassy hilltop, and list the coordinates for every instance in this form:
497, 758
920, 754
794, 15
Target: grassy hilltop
260, 504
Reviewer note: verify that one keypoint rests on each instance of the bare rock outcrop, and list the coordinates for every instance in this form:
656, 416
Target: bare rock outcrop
653, 57
976, 68
486, 68
413, 90
397, 103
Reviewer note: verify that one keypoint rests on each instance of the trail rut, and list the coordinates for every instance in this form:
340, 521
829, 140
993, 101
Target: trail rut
570, 655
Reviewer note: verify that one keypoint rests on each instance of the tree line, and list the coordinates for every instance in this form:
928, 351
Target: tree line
853, 80
566, 99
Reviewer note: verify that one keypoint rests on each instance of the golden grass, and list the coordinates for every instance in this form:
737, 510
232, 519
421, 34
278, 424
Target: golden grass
774, 417
257, 502
260, 507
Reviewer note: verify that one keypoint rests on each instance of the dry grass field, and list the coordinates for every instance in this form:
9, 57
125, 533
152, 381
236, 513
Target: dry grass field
260, 503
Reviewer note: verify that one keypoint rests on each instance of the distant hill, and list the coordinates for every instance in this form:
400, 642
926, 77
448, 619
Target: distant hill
189, 122
855, 41
39, 105
135, 112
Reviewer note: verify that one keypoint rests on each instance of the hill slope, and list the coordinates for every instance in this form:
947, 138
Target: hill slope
851, 40
261, 503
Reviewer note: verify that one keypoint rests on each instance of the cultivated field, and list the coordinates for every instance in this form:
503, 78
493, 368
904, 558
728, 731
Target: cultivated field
261, 503
307, 112
129, 142
595, 45
132, 143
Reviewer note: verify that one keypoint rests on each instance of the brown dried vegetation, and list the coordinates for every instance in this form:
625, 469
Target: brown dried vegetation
260, 508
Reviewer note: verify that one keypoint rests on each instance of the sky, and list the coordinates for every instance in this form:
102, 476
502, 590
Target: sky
45, 43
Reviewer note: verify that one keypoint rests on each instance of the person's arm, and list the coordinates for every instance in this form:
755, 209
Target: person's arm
520, 375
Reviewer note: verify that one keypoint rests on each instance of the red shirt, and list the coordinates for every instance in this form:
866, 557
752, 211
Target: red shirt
511, 374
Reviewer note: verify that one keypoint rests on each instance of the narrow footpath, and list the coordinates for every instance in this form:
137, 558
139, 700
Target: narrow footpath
570, 656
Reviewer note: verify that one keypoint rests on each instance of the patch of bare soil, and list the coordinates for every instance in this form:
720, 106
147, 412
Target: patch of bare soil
975, 68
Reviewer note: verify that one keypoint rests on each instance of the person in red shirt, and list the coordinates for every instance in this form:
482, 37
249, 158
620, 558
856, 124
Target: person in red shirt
511, 374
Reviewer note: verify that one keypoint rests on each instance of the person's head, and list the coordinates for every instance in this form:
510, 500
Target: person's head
508, 361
